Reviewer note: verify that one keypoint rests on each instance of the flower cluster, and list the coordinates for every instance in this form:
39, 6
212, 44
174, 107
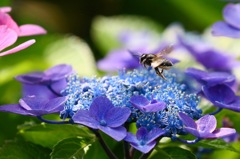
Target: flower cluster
10, 31
157, 107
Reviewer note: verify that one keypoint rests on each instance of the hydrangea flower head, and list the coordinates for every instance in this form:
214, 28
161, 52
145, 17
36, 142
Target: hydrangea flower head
35, 106
205, 127
165, 98
230, 27
104, 116
144, 140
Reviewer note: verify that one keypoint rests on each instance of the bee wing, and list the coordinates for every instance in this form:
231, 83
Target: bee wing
156, 62
165, 51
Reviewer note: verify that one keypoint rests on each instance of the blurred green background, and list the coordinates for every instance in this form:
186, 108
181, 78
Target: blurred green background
66, 21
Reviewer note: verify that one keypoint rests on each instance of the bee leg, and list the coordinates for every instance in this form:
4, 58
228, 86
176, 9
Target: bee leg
160, 73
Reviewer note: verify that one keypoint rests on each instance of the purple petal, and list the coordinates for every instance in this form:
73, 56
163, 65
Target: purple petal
235, 105
139, 101
15, 108
196, 74
220, 61
117, 60
117, 133
214, 78
155, 107
58, 72
31, 29
207, 123
100, 107
58, 86
54, 103
131, 138
83, 117
231, 14
219, 93
18, 48
33, 103
117, 116
145, 148
154, 134
141, 133
7, 37
38, 90
223, 132
223, 29
5, 9
31, 78
192, 131
187, 121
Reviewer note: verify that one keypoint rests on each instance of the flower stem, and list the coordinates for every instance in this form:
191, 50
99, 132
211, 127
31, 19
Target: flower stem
126, 150
189, 141
110, 154
51, 121
216, 111
131, 152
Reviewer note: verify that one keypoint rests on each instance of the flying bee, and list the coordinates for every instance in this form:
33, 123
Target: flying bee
157, 61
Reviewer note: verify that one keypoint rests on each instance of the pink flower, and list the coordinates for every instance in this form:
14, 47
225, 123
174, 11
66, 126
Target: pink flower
10, 31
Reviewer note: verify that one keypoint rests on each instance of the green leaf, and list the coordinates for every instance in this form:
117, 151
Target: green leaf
71, 148
23, 150
106, 30
173, 153
218, 144
74, 51
48, 135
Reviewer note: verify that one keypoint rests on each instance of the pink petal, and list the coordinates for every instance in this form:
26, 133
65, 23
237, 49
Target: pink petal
5, 9
31, 29
18, 48
7, 20
7, 37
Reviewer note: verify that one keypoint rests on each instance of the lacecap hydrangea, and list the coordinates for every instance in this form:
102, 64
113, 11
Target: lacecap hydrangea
121, 88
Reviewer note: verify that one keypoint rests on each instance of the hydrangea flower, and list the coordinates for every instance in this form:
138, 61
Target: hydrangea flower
205, 127
120, 89
35, 106
104, 116
144, 140
10, 31
217, 60
222, 96
48, 83
230, 27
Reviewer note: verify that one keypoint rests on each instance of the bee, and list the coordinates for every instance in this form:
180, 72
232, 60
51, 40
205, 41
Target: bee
157, 61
